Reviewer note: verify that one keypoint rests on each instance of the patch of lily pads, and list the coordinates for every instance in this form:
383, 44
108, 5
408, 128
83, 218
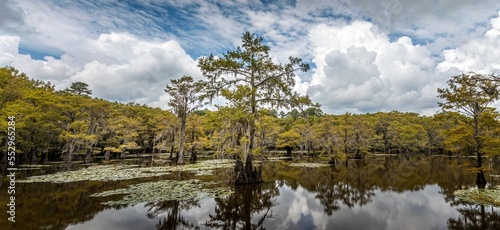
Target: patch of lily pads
309, 165
480, 196
165, 191
279, 158
115, 172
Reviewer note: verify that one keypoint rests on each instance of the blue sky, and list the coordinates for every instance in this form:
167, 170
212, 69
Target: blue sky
367, 55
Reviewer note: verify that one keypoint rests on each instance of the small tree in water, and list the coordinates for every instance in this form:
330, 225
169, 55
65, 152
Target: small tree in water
185, 99
470, 94
254, 78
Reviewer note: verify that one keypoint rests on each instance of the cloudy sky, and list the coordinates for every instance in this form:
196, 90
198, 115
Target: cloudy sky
367, 56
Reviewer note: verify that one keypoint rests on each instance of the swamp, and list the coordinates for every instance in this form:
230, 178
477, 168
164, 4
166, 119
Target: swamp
384, 191
266, 157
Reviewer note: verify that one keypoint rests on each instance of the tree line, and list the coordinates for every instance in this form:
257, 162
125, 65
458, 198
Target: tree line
54, 125
61, 124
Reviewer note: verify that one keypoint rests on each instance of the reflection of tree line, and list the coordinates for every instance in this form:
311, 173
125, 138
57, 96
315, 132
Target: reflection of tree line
232, 212
475, 217
356, 183
56, 206
173, 213
337, 186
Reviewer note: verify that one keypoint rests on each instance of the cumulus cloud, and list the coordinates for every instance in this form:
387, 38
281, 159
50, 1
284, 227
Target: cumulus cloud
135, 70
359, 69
364, 55
122, 67
8, 47
12, 18
479, 55
455, 20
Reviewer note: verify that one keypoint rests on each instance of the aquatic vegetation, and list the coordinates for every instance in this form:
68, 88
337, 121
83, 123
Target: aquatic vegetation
114, 172
95, 173
279, 158
480, 196
309, 165
164, 191
33, 166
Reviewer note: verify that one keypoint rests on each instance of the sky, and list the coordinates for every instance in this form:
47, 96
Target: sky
367, 56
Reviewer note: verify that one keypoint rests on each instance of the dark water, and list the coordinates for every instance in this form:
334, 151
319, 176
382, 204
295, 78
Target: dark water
377, 193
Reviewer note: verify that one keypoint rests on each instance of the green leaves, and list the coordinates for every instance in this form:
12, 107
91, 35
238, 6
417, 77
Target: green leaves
250, 66
79, 88
249, 79
470, 94
185, 99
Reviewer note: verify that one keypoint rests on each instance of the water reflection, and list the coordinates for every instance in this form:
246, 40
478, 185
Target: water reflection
475, 217
172, 214
247, 208
378, 193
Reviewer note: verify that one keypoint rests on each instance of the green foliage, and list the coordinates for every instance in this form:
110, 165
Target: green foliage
52, 125
469, 94
79, 88
288, 139
185, 98
249, 79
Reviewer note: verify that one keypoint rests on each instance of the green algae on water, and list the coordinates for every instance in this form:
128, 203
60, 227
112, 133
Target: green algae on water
480, 196
115, 172
164, 191
309, 165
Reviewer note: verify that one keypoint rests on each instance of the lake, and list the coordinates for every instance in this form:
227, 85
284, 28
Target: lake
380, 192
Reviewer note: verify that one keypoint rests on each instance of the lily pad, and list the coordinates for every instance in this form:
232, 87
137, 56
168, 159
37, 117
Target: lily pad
114, 172
33, 166
480, 196
94, 173
309, 165
164, 191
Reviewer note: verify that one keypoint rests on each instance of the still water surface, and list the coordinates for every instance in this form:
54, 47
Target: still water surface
377, 193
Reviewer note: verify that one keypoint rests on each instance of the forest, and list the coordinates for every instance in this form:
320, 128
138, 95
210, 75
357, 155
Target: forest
343, 160
63, 125
262, 116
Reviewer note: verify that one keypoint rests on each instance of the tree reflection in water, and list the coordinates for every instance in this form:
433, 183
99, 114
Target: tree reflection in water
247, 208
475, 217
236, 211
388, 188
173, 218
352, 191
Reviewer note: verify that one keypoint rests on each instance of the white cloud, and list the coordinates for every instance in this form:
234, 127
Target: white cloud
135, 70
8, 47
118, 67
361, 66
479, 55
359, 70
12, 19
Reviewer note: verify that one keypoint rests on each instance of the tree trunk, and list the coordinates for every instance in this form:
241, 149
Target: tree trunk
171, 157
194, 157
68, 157
247, 174
107, 154
180, 159
480, 179
46, 157
34, 159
